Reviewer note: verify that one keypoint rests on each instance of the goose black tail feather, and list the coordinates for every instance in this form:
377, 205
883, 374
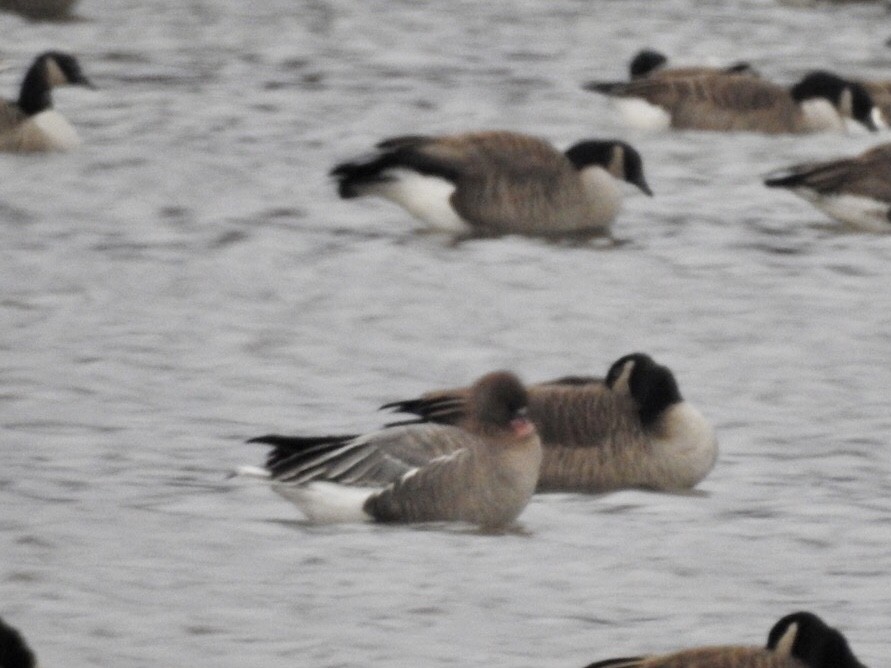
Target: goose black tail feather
605, 87
626, 662
287, 448
441, 410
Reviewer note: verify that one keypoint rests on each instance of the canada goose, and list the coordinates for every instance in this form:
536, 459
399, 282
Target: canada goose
40, 10
799, 640
631, 430
14, 651
650, 63
856, 191
484, 474
31, 124
498, 182
820, 102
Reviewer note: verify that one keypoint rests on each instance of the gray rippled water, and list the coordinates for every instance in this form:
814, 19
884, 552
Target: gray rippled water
188, 279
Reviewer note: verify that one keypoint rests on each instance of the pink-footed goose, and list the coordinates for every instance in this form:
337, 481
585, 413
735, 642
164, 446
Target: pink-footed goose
483, 473
498, 182
820, 102
14, 650
855, 190
798, 640
631, 430
31, 124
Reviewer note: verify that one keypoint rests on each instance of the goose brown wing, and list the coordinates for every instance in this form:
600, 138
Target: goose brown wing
868, 175
374, 459
576, 412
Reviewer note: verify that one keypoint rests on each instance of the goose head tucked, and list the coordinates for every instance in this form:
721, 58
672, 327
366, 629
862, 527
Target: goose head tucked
652, 386
808, 638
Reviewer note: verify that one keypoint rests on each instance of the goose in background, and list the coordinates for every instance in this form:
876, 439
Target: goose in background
820, 102
14, 650
855, 191
798, 640
498, 182
31, 124
484, 473
632, 429
652, 63
40, 10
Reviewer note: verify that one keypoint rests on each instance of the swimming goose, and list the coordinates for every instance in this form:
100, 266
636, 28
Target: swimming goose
14, 651
40, 9
652, 63
855, 191
498, 182
631, 430
799, 640
484, 473
31, 124
820, 102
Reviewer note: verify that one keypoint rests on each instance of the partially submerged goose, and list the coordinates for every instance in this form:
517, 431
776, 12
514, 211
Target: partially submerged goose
498, 182
652, 63
820, 102
484, 473
31, 124
631, 430
855, 191
799, 640
14, 651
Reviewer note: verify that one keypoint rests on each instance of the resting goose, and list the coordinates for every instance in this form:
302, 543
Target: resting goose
40, 10
799, 640
484, 473
498, 182
820, 102
31, 124
652, 63
631, 430
855, 191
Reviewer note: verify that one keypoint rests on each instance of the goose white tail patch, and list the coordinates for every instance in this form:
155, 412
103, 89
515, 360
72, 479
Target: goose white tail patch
426, 197
642, 115
328, 502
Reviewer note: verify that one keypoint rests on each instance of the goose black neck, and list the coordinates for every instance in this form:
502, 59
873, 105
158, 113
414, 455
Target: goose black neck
35, 95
